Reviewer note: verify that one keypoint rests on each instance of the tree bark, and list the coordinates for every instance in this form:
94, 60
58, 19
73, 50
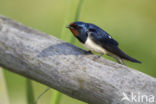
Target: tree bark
67, 68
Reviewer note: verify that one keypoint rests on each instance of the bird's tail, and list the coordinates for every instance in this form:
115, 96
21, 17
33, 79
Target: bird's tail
123, 55
132, 59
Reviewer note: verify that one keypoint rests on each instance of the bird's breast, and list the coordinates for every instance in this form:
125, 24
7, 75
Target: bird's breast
91, 45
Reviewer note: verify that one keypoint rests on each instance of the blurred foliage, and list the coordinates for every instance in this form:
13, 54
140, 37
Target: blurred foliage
131, 22
30, 92
4, 99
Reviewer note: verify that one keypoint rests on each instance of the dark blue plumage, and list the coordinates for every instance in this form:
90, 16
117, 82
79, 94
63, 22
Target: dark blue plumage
101, 35
98, 40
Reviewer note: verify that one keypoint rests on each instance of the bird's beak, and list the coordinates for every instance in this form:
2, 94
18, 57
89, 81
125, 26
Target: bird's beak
68, 26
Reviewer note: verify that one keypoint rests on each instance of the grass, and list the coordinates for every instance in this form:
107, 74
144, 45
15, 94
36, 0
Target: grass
38, 98
56, 97
30, 92
4, 98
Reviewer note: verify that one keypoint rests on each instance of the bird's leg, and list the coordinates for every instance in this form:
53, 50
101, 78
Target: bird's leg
119, 60
101, 55
88, 52
98, 56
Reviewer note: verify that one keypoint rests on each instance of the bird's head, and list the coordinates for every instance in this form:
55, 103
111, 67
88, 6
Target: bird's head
79, 30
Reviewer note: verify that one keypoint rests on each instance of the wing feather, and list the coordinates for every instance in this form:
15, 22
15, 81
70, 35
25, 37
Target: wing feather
107, 42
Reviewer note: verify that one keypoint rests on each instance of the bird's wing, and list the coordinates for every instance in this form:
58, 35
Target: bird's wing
107, 42
103, 39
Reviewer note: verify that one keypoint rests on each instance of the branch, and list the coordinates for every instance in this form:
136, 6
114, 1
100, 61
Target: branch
66, 68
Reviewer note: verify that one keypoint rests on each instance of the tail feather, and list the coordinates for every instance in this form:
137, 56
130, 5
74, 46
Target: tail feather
131, 59
123, 55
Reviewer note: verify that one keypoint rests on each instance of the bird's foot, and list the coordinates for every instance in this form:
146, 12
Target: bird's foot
96, 57
88, 52
101, 55
120, 61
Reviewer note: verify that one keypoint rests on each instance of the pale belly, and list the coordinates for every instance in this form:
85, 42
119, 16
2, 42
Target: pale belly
91, 45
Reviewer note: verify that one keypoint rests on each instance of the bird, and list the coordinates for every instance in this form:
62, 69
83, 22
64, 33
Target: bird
95, 39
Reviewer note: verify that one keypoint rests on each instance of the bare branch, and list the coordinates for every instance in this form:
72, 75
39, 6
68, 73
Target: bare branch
64, 67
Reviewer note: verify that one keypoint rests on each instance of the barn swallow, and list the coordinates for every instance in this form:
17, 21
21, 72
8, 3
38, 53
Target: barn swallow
97, 40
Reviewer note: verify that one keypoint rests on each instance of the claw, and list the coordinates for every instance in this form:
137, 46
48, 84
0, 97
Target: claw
88, 52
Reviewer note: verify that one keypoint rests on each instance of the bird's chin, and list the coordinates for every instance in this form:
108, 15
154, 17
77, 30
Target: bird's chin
74, 31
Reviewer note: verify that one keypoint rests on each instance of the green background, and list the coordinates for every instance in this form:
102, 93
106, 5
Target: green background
131, 22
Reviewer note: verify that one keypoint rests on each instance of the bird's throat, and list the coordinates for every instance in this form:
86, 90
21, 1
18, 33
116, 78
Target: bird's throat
74, 31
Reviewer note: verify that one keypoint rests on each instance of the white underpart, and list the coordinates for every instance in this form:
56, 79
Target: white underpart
91, 45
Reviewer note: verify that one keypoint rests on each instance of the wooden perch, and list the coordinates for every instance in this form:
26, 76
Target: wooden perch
66, 68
